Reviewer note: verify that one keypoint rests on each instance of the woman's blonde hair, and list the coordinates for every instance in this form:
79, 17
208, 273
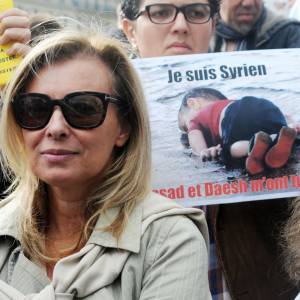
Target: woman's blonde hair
291, 243
125, 182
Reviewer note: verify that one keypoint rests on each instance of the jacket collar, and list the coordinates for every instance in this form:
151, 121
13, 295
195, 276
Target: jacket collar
145, 212
130, 239
131, 236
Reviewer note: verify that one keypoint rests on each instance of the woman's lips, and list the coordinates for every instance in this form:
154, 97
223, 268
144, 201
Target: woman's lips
180, 47
58, 155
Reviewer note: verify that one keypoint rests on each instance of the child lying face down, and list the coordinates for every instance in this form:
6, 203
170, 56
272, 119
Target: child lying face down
251, 128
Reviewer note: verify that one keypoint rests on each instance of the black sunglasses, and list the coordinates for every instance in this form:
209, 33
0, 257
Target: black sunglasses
81, 110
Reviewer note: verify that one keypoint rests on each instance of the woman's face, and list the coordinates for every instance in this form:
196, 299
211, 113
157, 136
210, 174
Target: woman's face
178, 37
64, 156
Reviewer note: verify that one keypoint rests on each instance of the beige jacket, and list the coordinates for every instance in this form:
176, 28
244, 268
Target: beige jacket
162, 254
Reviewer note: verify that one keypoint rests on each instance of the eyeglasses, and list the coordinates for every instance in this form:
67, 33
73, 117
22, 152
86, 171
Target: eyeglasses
196, 13
81, 110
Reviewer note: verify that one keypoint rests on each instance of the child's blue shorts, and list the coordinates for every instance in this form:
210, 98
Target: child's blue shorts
247, 116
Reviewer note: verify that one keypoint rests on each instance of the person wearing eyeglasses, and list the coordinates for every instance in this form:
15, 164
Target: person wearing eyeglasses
249, 25
169, 27
244, 247
81, 221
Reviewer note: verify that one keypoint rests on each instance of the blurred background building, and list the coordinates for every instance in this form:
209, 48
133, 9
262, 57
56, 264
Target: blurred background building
83, 10
280, 6
105, 10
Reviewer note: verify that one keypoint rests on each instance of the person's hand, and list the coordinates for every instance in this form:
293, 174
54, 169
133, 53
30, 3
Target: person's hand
211, 153
15, 29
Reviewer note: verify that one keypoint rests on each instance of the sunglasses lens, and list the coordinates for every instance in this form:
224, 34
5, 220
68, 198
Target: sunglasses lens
81, 110
84, 111
31, 111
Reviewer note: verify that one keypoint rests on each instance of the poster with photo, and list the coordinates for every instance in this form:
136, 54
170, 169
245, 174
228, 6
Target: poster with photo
251, 130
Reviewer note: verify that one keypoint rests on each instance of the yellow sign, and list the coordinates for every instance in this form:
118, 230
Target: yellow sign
5, 5
7, 63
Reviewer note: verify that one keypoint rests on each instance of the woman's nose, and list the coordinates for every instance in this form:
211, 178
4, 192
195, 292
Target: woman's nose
180, 23
57, 126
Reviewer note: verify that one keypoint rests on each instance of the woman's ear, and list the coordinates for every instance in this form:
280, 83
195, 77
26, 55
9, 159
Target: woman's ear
128, 27
124, 134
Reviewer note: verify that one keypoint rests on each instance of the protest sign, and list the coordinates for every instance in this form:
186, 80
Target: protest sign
180, 174
7, 63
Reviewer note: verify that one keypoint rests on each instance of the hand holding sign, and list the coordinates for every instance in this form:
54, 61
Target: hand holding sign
15, 33
15, 29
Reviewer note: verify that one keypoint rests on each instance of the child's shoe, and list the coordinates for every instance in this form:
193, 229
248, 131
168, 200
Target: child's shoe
255, 160
278, 154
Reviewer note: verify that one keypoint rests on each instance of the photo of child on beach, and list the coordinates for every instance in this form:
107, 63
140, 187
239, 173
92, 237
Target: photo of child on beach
250, 129
224, 139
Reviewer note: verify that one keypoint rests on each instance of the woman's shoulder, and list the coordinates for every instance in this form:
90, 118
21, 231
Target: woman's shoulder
163, 216
177, 231
173, 256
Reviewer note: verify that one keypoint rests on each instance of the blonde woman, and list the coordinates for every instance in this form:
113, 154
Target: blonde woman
81, 221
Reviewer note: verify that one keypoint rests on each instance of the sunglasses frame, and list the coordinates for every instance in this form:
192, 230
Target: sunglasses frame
62, 103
